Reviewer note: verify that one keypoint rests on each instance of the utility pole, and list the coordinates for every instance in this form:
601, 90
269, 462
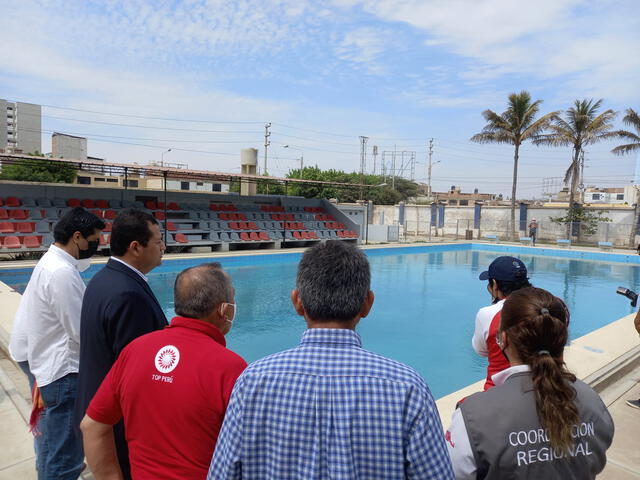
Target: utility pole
375, 154
393, 168
581, 185
267, 142
429, 170
363, 162
413, 166
301, 164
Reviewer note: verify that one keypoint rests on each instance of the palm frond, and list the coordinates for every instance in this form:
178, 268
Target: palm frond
632, 118
625, 149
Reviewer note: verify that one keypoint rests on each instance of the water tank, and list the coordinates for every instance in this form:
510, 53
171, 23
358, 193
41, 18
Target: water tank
249, 156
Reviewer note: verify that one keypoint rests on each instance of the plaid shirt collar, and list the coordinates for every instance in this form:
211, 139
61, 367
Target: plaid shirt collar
331, 336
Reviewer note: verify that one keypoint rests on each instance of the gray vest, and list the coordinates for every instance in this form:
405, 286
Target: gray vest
508, 441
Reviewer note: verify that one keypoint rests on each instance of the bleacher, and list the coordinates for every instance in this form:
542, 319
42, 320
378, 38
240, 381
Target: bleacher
26, 223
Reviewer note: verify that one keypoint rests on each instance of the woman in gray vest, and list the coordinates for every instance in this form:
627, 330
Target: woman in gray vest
538, 422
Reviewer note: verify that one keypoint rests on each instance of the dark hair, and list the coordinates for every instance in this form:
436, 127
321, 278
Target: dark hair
76, 220
536, 324
129, 226
509, 287
199, 290
333, 280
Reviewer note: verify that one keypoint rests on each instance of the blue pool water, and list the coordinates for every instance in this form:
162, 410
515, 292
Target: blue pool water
426, 300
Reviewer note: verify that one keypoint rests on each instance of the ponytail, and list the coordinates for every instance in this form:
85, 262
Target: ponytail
536, 324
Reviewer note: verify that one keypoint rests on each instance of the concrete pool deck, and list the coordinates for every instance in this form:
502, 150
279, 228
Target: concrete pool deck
607, 359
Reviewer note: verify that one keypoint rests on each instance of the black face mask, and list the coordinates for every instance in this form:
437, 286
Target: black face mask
89, 252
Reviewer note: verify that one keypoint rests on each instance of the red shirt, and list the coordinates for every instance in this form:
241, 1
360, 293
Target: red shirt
497, 360
172, 387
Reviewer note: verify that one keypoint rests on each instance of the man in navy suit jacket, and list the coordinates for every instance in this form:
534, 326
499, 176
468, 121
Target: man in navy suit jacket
118, 307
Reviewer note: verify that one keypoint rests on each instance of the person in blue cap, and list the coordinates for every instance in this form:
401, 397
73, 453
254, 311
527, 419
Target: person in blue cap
505, 275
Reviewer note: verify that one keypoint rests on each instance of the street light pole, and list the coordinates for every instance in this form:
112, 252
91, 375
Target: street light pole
162, 157
301, 156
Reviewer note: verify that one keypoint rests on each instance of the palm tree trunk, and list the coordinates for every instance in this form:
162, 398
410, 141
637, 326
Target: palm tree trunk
572, 189
513, 192
636, 213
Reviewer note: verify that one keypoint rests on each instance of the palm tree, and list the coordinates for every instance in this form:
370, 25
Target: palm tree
514, 126
632, 119
580, 127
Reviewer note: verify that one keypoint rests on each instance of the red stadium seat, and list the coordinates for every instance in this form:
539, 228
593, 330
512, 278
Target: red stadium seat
87, 203
234, 226
243, 226
1, 202
12, 202
4, 214
254, 236
150, 204
297, 235
25, 227
7, 227
171, 227
264, 236
214, 207
161, 205
107, 227
245, 236
73, 202
223, 216
252, 226
102, 204
159, 215
181, 238
32, 241
173, 206
110, 214
97, 213
12, 242
18, 214
241, 216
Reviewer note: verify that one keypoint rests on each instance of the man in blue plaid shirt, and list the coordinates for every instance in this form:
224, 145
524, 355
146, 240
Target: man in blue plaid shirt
328, 409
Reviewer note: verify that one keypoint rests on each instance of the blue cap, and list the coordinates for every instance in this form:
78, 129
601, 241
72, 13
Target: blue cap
506, 269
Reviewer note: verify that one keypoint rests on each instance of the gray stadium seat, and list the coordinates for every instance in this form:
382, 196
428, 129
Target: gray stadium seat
203, 226
47, 240
288, 235
59, 202
43, 202
138, 204
28, 202
35, 213
334, 235
127, 204
43, 227
115, 203
224, 237
194, 216
235, 237
51, 213
213, 236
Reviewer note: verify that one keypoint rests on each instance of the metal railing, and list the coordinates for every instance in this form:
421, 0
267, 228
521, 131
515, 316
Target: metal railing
619, 235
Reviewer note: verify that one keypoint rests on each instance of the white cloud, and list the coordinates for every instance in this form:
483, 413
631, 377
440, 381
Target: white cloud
363, 47
593, 44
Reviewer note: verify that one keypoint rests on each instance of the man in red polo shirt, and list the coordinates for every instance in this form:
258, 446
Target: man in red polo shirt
171, 386
505, 275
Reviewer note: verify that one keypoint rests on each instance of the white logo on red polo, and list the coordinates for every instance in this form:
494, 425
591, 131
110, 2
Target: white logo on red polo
167, 359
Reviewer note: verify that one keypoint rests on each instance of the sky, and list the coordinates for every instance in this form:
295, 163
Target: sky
203, 77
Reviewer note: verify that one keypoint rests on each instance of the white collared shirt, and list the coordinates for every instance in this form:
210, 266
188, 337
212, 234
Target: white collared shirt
46, 328
144, 277
457, 437
484, 317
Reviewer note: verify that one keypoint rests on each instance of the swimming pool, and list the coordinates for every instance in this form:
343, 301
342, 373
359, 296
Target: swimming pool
426, 300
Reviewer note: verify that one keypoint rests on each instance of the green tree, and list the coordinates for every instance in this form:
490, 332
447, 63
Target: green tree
514, 126
632, 119
581, 126
588, 220
32, 170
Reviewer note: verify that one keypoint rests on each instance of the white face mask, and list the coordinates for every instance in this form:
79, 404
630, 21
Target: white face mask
83, 264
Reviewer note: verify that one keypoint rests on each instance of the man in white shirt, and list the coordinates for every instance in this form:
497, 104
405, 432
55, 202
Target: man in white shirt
47, 336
